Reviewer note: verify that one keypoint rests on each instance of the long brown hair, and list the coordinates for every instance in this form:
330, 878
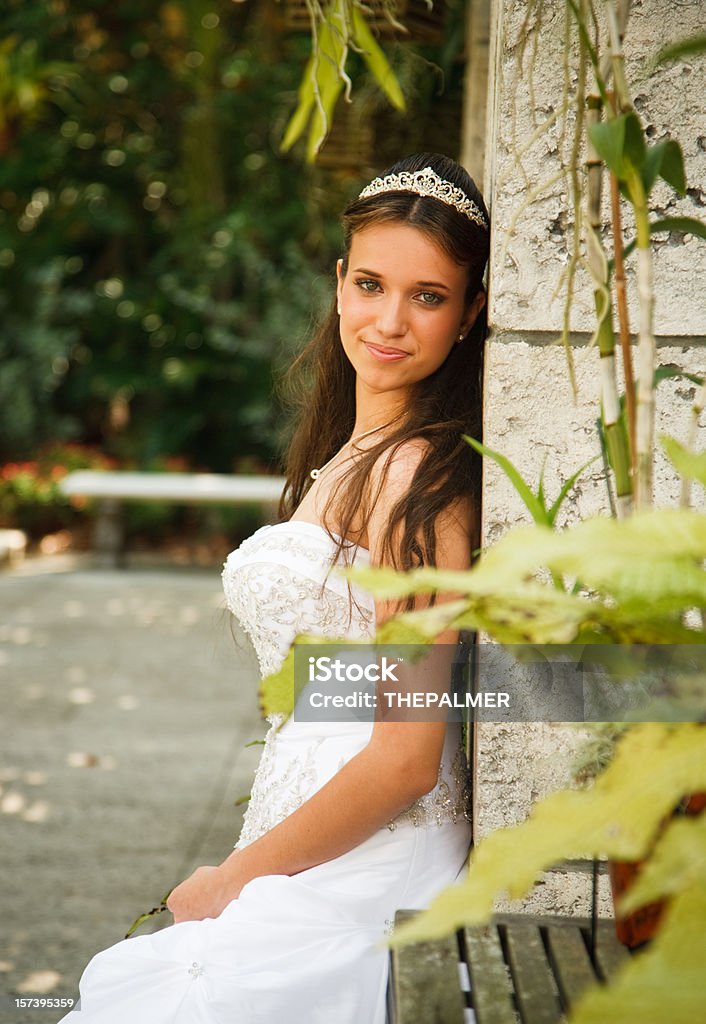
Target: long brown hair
445, 405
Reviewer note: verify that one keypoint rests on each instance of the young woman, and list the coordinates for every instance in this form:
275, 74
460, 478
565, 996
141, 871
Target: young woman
350, 820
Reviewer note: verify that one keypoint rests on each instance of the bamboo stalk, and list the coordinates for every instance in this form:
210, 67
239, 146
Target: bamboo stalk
623, 317
696, 409
617, 57
646, 349
617, 21
646, 346
574, 166
616, 441
685, 493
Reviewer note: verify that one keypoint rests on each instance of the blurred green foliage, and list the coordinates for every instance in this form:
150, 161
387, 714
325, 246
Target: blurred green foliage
159, 257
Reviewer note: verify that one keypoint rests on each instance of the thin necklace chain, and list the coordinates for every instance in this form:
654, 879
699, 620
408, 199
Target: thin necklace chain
316, 473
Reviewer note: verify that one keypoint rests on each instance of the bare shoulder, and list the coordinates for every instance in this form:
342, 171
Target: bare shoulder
392, 477
395, 468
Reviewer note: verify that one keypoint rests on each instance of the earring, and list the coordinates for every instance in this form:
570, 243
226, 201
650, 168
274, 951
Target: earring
339, 310
460, 337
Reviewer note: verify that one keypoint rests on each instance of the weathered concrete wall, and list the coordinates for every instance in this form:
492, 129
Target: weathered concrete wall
531, 416
530, 411
531, 246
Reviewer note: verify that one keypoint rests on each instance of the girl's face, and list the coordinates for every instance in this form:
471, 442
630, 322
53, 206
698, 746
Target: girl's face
402, 307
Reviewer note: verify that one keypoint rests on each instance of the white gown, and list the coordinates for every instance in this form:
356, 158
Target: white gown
305, 949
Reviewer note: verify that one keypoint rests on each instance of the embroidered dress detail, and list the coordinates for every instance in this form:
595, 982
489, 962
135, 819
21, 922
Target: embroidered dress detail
273, 585
449, 801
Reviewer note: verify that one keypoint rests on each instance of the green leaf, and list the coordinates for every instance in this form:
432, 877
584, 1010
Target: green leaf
618, 817
534, 614
280, 691
377, 61
300, 117
608, 137
515, 612
642, 574
599, 542
277, 689
684, 48
669, 585
672, 166
669, 371
321, 86
400, 631
566, 487
388, 584
664, 160
330, 90
328, 82
677, 861
541, 497
665, 983
620, 143
689, 225
651, 166
424, 624
635, 149
692, 465
532, 502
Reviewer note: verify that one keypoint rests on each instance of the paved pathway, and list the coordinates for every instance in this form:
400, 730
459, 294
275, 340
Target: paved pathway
126, 706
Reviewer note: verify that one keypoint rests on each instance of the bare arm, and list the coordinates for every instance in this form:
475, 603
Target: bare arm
399, 764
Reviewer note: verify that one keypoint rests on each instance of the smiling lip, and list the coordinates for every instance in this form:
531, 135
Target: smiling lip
388, 355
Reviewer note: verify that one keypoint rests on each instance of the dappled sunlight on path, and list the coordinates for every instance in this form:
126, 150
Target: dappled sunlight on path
127, 706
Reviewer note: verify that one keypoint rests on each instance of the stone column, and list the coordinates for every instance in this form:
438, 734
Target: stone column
531, 414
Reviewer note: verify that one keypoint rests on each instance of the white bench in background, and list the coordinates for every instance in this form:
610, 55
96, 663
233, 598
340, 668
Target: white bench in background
112, 489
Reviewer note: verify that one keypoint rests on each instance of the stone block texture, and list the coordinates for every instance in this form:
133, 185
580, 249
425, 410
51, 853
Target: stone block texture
532, 415
531, 137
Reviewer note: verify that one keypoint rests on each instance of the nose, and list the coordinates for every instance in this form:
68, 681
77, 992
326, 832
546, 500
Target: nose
391, 319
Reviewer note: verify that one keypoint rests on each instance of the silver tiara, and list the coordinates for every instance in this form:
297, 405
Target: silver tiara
426, 183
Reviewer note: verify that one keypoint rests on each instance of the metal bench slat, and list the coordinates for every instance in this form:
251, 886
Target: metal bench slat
425, 981
491, 986
572, 965
535, 990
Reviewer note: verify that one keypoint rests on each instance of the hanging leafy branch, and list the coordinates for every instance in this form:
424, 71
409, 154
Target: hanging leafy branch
336, 30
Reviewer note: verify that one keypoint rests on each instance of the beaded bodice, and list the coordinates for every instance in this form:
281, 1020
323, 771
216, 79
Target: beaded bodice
280, 583
277, 585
